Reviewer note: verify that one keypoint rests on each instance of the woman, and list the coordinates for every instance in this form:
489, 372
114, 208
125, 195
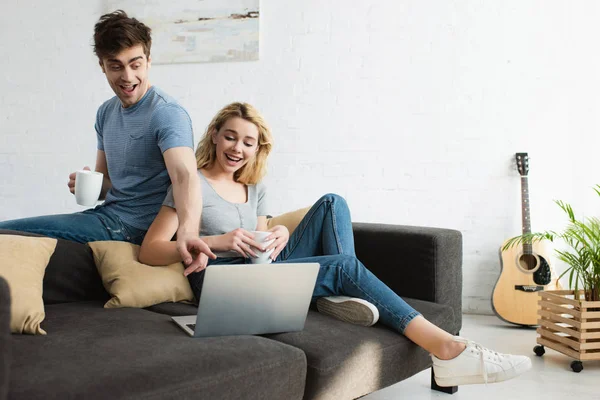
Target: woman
231, 159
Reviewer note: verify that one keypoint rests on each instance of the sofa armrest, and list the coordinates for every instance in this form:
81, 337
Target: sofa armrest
5, 338
417, 262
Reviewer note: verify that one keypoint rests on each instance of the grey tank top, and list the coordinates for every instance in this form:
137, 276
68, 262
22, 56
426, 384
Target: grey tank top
220, 216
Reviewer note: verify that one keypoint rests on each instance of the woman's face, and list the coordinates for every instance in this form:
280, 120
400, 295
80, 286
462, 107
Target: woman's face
236, 143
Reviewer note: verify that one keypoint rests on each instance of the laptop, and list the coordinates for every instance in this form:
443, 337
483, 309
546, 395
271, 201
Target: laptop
252, 299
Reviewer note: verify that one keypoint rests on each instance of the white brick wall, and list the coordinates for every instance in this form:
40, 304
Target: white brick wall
413, 110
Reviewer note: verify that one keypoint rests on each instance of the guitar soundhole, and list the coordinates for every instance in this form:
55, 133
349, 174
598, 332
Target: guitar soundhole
528, 262
543, 275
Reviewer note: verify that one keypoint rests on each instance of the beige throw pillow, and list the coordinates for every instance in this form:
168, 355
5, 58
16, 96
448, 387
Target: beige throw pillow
23, 261
290, 220
133, 284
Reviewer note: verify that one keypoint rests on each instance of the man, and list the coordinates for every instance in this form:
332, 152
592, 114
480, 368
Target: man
145, 143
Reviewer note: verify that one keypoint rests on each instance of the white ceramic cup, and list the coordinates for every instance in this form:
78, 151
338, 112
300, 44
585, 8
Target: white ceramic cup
88, 185
263, 256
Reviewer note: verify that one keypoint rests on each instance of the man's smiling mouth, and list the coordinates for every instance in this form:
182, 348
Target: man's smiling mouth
128, 89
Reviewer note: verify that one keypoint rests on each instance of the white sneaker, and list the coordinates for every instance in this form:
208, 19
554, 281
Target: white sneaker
476, 364
349, 309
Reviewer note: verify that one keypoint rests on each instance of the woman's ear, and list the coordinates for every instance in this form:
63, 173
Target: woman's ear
213, 135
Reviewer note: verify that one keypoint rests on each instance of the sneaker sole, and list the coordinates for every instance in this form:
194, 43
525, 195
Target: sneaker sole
477, 379
354, 311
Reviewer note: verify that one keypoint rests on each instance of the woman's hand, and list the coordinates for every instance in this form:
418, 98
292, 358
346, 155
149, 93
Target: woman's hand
240, 241
281, 235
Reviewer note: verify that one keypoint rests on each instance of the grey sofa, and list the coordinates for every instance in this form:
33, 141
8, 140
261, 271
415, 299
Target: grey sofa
96, 353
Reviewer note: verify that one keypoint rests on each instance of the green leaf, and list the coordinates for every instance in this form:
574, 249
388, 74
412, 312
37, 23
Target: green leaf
582, 240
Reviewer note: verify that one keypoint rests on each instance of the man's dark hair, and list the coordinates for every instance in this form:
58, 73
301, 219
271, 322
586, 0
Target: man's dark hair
116, 31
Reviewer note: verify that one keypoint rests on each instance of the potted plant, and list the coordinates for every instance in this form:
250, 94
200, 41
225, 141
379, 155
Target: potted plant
582, 256
569, 320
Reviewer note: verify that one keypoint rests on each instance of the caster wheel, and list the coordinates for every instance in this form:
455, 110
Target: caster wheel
576, 366
539, 350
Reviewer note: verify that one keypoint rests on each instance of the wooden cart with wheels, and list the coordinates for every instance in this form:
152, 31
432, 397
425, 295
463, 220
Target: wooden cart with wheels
569, 325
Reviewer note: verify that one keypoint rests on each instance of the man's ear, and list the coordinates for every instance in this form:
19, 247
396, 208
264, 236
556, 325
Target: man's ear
149, 61
102, 66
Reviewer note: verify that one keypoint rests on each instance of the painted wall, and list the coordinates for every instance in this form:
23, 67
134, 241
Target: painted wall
412, 110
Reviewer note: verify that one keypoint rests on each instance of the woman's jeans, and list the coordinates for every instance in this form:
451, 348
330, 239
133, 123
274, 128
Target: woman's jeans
87, 226
325, 236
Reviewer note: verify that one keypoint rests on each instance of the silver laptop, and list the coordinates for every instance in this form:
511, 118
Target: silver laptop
252, 299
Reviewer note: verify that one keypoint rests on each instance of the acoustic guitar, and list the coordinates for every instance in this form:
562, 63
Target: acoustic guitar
525, 269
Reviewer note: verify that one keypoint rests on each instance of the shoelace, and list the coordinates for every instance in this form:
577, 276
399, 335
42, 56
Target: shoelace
481, 350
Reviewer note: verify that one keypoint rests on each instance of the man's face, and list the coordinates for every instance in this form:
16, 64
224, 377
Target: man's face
127, 74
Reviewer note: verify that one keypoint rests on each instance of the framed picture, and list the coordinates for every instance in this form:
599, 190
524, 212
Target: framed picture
186, 31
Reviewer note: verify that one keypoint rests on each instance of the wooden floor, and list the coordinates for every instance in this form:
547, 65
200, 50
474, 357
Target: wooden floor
550, 378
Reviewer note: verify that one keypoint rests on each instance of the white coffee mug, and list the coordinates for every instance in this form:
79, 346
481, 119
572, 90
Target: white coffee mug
263, 256
88, 185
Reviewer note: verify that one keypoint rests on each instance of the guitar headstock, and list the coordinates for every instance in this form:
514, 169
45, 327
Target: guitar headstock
522, 163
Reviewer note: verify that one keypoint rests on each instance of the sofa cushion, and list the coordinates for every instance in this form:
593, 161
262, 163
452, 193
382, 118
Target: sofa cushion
133, 284
174, 309
71, 274
290, 220
347, 361
98, 353
24, 260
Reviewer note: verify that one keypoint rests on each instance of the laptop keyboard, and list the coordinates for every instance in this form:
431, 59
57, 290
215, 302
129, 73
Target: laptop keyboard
191, 326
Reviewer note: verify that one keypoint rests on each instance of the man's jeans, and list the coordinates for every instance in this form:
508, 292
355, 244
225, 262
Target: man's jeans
325, 236
87, 226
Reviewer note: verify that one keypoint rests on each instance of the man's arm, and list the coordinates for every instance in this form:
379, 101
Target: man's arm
181, 165
102, 167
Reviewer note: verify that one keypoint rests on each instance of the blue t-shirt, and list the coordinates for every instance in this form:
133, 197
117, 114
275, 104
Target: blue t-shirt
134, 140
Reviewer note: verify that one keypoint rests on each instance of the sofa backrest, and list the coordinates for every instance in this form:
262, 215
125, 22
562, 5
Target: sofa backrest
71, 274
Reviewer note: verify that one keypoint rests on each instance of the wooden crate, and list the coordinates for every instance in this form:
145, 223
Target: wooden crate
569, 324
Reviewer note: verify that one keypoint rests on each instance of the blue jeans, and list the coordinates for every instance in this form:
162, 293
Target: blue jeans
86, 226
325, 236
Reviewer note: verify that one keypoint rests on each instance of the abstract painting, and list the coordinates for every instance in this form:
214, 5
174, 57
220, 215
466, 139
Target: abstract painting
192, 31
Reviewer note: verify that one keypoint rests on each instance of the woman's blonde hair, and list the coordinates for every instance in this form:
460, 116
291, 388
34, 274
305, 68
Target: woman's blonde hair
256, 168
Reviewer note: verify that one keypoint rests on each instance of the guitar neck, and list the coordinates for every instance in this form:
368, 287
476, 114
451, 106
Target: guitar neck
525, 213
